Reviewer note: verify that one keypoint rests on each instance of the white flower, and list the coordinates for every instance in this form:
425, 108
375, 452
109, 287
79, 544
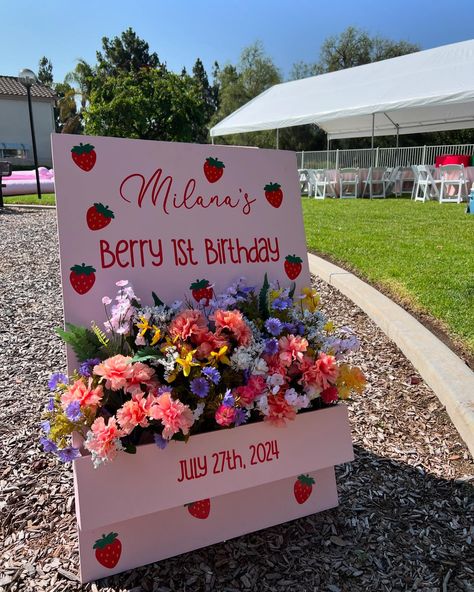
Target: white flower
198, 411
262, 404
291, 396
259, 367
274, 382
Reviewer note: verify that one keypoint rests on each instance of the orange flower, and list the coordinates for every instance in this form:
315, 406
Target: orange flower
350, 379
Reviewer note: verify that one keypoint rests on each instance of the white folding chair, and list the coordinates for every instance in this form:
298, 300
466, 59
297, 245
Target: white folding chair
452, 176
318, 183
426, 184
304, 185
375, 179
348, 183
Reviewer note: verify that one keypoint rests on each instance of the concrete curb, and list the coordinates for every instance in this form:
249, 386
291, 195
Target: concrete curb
30, 206
451, 380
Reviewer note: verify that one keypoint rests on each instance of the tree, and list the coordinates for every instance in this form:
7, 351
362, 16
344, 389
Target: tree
208, 93
127, 53
45, 72
150, 104
68, 120
82, 77
238, 84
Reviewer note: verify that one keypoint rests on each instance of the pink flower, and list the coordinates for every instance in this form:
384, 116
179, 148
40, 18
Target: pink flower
257, 383
207, 341
133, 413
85, 394
187, 323
330, 394
174, 415
116, 371
246, 395
141, 374
232, 321
103, 440
321, 374
225, 415
279, 411
292, 349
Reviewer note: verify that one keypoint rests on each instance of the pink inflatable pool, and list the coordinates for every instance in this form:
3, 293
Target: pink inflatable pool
24, 182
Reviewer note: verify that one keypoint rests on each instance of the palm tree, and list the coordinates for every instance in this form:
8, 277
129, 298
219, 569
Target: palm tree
82, 78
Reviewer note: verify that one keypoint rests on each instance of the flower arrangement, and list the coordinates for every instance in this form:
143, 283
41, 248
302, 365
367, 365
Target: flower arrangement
165, 372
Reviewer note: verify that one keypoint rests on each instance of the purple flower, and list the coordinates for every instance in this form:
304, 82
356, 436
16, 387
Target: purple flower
240, 417
46, 426
300, 329
50, 404
212, 374
273, 326
228, 400
55, 379
160, 441
68, 454
73, 411
200, 387
290, 327
85, 369
271, 346
48, 445
281, 303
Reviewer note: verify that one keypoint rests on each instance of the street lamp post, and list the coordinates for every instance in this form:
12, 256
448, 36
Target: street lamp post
28, 78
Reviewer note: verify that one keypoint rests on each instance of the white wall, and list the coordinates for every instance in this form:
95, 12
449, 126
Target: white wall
15, 126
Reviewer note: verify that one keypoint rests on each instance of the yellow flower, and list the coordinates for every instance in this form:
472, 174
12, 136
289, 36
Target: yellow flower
220, 356
143, 325
156, 335
329, 327
169, 343
350, 379
309, 299
186, 361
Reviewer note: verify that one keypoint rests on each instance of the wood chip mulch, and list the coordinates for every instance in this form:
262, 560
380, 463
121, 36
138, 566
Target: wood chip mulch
406, 515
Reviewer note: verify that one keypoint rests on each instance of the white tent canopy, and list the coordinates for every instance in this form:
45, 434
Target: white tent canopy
430, 90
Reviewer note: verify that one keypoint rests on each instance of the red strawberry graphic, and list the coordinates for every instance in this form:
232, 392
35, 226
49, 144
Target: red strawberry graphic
293, 266
108, 550
274, 194
99, 216
200, 509
84, 156
303, 488
213, 169
82, 278
202, 290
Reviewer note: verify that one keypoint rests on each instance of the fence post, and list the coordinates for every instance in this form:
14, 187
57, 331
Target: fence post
337, 159
423, 156
377, 157
302, 159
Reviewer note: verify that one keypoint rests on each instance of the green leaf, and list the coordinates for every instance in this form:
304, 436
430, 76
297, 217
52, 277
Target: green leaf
146, 353
83, 341
157, 300
292, 291
130, 448
263, 299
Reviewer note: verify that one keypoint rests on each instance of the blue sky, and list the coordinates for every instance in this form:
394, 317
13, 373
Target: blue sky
182, 30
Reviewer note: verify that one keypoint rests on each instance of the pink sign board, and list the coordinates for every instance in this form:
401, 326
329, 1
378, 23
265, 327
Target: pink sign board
170, 214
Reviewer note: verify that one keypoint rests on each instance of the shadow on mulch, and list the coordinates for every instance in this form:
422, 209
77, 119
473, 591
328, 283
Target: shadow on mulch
396, 528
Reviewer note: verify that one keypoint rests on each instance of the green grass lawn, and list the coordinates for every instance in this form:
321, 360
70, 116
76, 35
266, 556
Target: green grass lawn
47, 199
421, 253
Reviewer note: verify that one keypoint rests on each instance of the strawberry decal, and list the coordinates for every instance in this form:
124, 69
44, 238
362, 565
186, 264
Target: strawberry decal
293, 266
303, 488
108, 550
274, 194
84, 156
99, 216
200, 509
82, 278
202, 290
213, 169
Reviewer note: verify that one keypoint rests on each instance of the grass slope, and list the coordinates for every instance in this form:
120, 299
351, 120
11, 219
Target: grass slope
422, 253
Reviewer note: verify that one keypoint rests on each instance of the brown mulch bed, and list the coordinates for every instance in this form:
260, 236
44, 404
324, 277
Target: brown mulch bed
406, 515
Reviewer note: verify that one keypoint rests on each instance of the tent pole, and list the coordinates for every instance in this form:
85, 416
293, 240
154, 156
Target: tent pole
327, 151
372, 139
212, 140
277, 138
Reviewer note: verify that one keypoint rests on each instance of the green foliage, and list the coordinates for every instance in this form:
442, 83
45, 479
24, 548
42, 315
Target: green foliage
125, 54
149, 104
263, 299
45, 72
147, 353
157, 300
84, 342
254, 73
421, 253
209, 96
100, 335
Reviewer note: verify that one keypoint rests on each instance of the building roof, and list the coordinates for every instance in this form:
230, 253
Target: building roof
10, 86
